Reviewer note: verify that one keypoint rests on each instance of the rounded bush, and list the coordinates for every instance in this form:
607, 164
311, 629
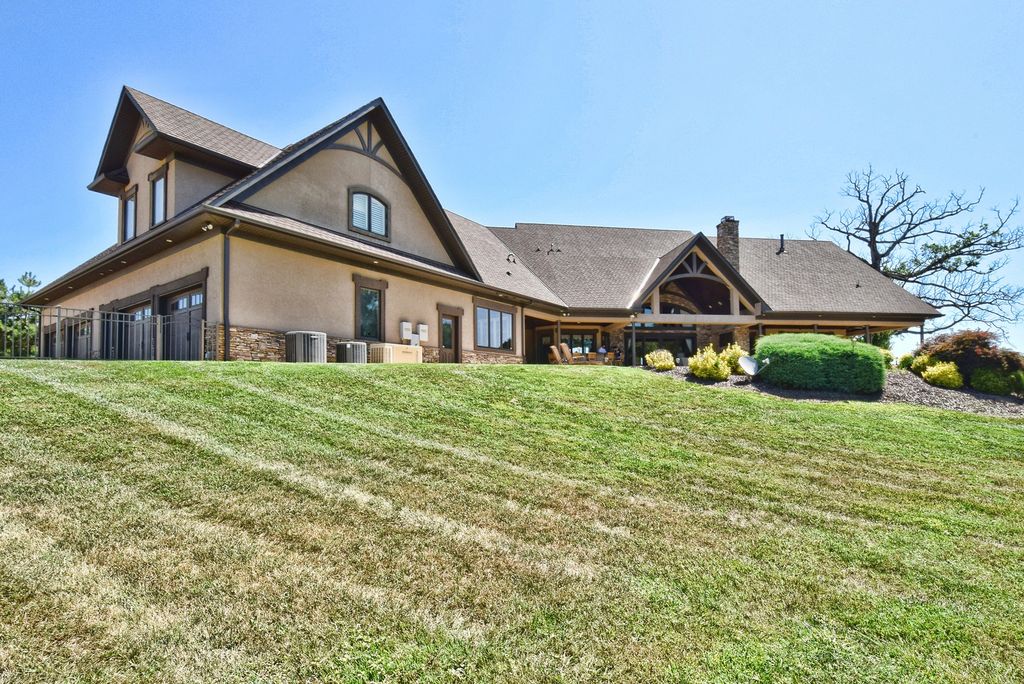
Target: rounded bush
660, 360
821, 362
992, 382
943, 374
887, 355
905, 361
732, 354
708, 365
921, 363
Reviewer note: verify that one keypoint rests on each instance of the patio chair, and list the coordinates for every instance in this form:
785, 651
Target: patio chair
609, 359
569, 357
554, 356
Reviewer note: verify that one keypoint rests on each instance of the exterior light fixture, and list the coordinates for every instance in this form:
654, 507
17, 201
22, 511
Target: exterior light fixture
123, 261
207, 227
168, 240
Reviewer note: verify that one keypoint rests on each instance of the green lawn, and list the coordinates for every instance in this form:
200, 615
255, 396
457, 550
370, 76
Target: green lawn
268, 522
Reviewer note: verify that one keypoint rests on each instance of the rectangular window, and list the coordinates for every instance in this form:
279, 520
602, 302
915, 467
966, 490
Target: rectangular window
158, 187
369, 313
128, 216
494, 329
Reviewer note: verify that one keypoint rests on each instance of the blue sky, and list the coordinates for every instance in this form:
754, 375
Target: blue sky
659, 114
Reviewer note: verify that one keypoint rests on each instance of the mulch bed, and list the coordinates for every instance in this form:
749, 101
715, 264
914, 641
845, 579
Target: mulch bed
900, 387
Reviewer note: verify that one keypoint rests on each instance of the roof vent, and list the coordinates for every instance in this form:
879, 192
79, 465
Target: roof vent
553, 249
782, 244
511, 258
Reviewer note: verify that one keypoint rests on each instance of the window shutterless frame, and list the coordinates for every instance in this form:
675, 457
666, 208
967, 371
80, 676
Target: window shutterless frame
128, 220
498, 314
370, 199
158, 196
379, 286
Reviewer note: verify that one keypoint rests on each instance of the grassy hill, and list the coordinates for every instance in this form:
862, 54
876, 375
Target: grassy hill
238, 522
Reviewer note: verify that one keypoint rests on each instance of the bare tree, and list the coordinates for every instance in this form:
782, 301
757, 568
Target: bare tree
933, 248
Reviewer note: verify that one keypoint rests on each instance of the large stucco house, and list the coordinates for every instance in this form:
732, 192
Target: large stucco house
340, 232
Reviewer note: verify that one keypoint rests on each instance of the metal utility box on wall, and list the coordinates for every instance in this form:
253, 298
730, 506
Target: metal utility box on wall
406, 330
350, 352
304, 346
423, 331
385, 352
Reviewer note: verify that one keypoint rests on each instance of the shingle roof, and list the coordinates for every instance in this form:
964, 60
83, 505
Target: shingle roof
590, 267
183, 125
491, 257
596, 267
819, 276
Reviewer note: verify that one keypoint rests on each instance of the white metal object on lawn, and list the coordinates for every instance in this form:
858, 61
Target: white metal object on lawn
750, 365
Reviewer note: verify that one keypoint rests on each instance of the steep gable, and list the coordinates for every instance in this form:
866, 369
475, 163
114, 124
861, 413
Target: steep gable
312, 180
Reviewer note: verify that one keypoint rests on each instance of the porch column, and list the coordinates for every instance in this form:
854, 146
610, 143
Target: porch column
632, 328
656, 300
734, 302
867, 334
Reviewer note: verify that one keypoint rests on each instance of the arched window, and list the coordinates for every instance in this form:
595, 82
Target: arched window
368, 214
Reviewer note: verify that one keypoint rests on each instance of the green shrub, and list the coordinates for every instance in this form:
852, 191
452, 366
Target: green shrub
921, 363
992, 381
943, 374
821, 362
971, 350
905, 361
1017, 382
708, 365
887, 355
660, 360
732, 354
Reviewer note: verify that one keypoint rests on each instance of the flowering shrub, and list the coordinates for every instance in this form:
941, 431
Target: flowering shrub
660, 360
921, 363
943, 374
905, 361
732, 355
708, 365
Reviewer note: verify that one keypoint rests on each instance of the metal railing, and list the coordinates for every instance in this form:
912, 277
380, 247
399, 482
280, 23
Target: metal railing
53, 332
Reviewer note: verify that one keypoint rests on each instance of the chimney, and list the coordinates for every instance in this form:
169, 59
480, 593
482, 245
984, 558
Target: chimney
728, 240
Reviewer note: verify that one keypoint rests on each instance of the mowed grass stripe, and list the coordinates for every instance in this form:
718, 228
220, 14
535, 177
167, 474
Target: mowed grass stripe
740, 582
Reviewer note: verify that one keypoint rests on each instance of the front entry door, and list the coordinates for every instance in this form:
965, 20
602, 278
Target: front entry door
449, 339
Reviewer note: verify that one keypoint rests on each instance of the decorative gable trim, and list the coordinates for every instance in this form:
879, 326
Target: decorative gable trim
699, 243
379, 118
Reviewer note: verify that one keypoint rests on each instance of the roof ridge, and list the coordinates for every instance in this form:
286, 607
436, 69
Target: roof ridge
134, 91
576, 225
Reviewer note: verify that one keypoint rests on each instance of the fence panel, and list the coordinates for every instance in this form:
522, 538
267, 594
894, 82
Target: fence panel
53, 332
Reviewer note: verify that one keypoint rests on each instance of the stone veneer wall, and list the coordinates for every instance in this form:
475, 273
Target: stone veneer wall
728, 240
254, 344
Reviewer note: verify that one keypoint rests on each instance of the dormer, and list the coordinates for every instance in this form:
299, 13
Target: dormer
160, 159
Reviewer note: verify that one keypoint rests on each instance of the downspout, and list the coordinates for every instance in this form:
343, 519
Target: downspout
226, 287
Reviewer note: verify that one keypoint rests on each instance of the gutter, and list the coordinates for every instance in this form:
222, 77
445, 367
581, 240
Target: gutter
226, 285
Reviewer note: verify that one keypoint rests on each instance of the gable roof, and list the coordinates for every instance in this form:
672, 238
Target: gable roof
814, 276
378, 114
669, 262
590, 267
171, 128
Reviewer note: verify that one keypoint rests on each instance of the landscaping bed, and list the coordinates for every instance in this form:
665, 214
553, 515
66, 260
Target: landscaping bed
900, 387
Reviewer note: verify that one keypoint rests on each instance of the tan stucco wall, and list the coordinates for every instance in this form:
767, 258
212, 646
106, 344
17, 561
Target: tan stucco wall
156, 271
188, 183
139, 168
317, 191
279, 289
